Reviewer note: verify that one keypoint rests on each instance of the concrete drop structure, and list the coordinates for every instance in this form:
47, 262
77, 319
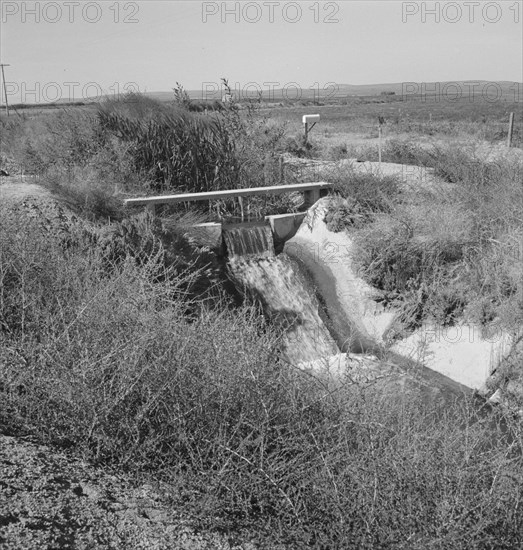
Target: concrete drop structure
210, 234
358, 323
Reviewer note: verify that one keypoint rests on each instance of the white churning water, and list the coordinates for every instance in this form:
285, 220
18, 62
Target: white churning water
283, 290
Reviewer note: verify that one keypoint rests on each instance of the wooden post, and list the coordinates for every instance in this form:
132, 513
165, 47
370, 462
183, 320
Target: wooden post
282, 170
510, 129
306, 132
151, 208
379, 146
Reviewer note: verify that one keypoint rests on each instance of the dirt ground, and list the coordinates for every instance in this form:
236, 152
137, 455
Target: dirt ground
17, 188
51, 500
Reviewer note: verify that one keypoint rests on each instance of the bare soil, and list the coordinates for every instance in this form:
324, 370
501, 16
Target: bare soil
18, 188
49, 499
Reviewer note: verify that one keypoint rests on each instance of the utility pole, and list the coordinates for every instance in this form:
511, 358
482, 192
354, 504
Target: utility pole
2, 65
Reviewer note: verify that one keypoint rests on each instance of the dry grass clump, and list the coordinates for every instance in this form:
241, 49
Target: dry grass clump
374, 194
359, 197
417, 270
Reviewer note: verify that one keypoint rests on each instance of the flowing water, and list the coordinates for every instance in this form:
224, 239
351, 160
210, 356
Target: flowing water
249, 241
283, 290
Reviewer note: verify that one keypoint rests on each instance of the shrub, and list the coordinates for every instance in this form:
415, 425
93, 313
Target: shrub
297, 147
338, 152
176, 149
404, 152
86, 194
344, 213
360, 196
373, 193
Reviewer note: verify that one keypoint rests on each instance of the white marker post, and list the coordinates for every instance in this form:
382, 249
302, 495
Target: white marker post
309, 119
381, 121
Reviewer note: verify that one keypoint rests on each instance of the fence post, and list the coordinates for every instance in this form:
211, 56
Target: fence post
151, 208
510, 129
379, 145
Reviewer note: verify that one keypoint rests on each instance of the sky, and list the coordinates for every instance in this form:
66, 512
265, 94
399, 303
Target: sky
79, 49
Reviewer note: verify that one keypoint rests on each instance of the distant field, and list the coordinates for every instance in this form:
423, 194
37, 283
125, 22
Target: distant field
431, 109
355, 109
335, 92
344, 114
459, 100
356, 123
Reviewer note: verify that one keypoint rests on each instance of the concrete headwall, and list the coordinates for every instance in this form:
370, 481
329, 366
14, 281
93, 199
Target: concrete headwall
283, 226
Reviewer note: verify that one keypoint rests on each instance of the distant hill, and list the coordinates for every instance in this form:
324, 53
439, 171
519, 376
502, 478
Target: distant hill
430, 88
491, 90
